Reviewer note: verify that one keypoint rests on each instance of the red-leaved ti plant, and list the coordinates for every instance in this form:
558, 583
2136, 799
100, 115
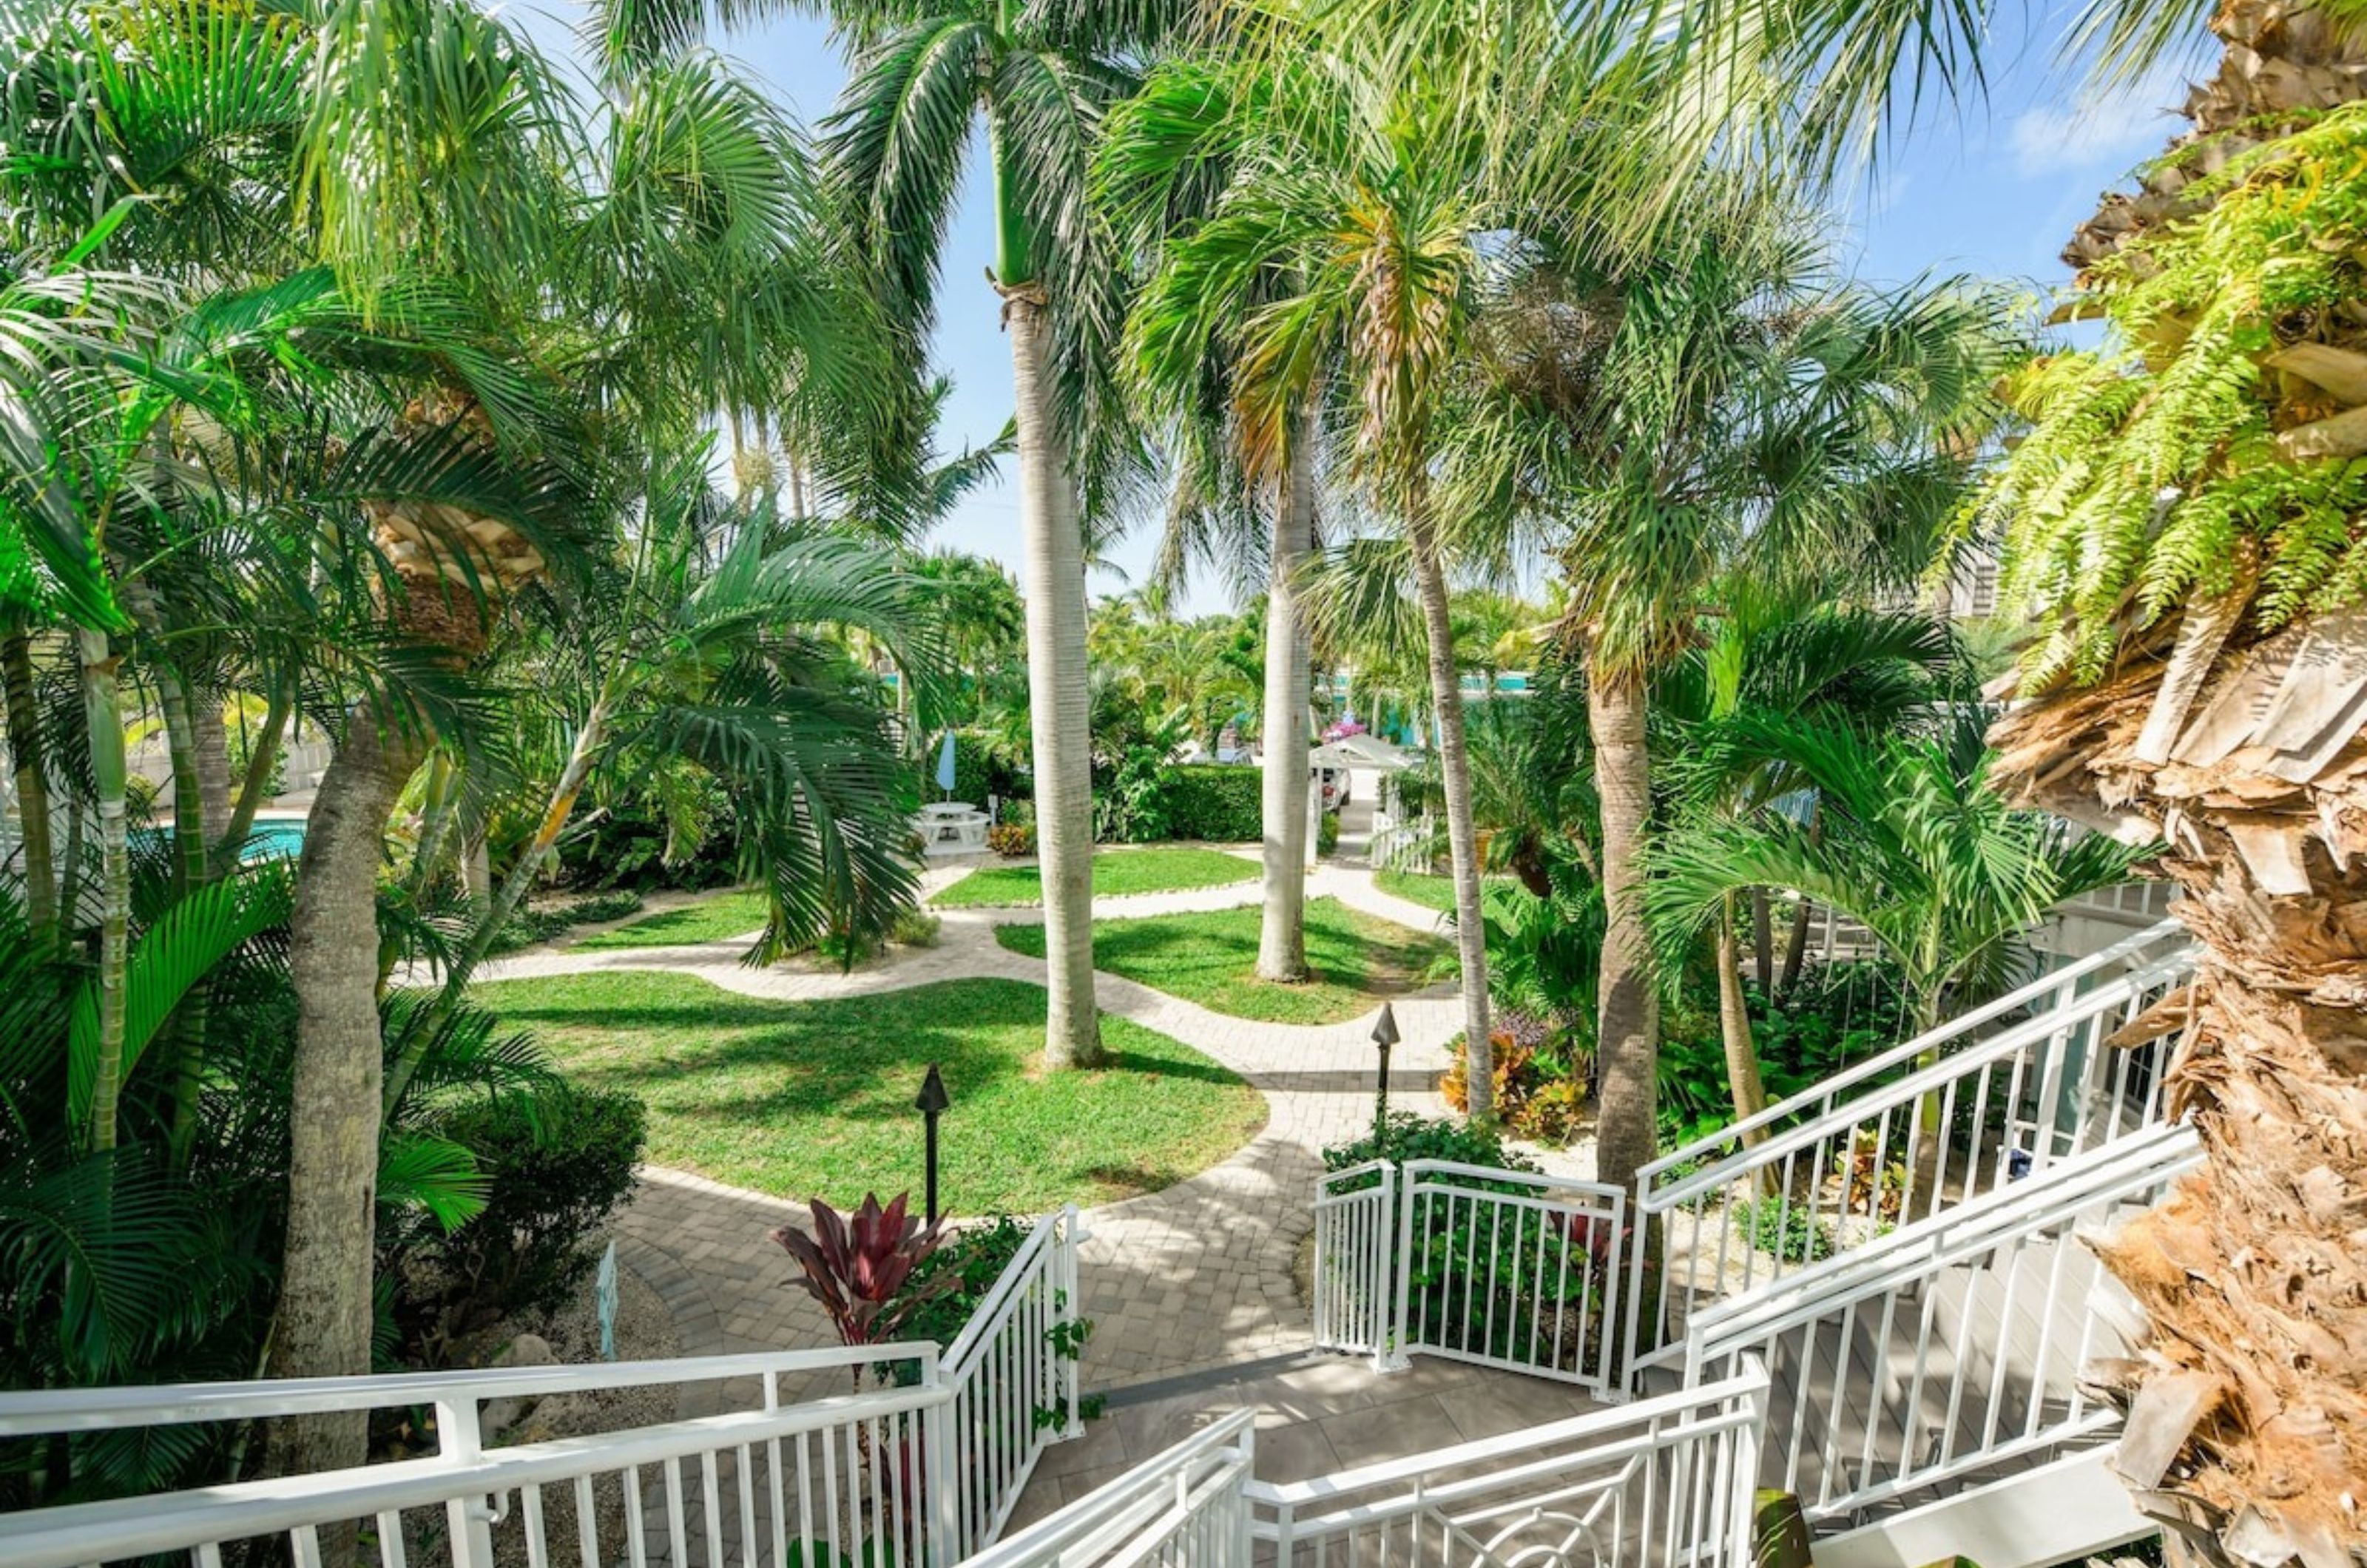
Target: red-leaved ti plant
856, 1266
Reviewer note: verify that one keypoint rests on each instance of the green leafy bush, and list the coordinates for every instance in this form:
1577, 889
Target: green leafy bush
634, 846
1012, 841
1406, 1136
975, 1258
1220, 802
1795, 1235
1133, 806
1327, 833
559, 1165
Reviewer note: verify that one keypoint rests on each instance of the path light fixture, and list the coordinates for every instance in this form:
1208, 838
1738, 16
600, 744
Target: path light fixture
1384, 1034
932, 1103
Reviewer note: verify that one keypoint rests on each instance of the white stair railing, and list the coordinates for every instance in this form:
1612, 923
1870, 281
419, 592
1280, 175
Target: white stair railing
893, 1455
1187, 1507
1988, 1099
1660, 1482
1501, 1267
1011, 1377
1950, 1347
845, 1474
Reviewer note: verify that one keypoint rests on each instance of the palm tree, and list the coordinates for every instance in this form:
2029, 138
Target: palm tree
1914, 844
1245, 487
1709, 411
1359, 194
1041, 78
2173, 529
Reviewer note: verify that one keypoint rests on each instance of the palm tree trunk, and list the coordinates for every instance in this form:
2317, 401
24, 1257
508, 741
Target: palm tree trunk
190, 860
1628, 1043
324, 1298
1057, 695
1734, 1029
1282, 932
1763, 939
33, 780
262, 757
1795, 949
103, 716
1462, 842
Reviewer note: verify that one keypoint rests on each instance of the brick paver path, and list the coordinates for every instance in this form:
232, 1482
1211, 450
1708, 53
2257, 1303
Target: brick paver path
1195, 1276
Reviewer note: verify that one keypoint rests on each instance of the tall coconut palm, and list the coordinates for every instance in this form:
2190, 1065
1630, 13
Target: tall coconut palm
1710, 409
1359, 194
1040, 78
1246, 488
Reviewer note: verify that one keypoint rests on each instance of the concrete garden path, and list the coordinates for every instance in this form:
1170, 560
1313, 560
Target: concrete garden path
1196, 1276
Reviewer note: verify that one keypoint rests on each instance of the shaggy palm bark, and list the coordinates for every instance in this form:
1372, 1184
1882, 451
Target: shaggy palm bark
1059, 712
1462, 839
1628, 1014
1282, 931
2248, 1415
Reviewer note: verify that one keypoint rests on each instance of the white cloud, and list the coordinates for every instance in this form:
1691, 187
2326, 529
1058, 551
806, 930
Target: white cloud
2118, 130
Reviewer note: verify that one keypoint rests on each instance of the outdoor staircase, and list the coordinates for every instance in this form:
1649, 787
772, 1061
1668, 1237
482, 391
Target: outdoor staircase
1910, 1369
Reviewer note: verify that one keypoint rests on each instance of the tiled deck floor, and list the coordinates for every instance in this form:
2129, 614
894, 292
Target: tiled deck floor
1312, 1420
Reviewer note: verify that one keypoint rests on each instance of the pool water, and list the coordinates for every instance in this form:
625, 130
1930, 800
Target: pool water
275, 839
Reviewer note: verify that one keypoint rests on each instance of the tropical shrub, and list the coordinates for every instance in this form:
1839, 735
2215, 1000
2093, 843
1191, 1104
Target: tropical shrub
1220, 802
1132, 806
1792, 1234
858, 1266
1404, 1136
1012, 841
947, 1285
636, 846
1540, 1077
1327, 833
558, 1166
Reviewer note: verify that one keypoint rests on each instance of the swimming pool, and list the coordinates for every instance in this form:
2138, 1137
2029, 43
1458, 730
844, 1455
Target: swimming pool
276, 838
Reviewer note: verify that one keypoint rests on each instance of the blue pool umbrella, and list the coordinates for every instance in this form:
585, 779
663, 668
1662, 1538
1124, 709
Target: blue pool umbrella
945, 766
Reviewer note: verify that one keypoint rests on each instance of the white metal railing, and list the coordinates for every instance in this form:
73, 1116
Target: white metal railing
1990, 1097
920, 1458
1356, 1229
1661, 1481
1949, 1346
845, 1474
1509, 1269
1012, 1380
1503, 1267
1185, 1508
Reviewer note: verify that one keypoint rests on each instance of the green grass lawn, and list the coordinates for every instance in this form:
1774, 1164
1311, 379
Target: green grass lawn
1211, 959
1116, 871
1419, 888
807, 1099
718, 918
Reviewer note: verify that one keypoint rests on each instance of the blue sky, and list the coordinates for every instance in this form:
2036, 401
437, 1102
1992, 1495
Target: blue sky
1992, 188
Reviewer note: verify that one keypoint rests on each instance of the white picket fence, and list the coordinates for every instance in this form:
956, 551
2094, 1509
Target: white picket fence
1500, 1267
1991, 1098
922, 1459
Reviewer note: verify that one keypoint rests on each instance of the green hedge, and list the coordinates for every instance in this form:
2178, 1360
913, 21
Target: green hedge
1217, 801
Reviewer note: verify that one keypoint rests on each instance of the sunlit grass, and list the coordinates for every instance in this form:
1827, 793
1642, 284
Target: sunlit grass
1115, 874
1211, 958
723, 918
805, 1100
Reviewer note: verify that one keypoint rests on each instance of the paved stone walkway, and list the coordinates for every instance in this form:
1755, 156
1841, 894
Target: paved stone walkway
1196, 1276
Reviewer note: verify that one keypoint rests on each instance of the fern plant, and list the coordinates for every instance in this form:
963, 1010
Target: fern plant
2183, 460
